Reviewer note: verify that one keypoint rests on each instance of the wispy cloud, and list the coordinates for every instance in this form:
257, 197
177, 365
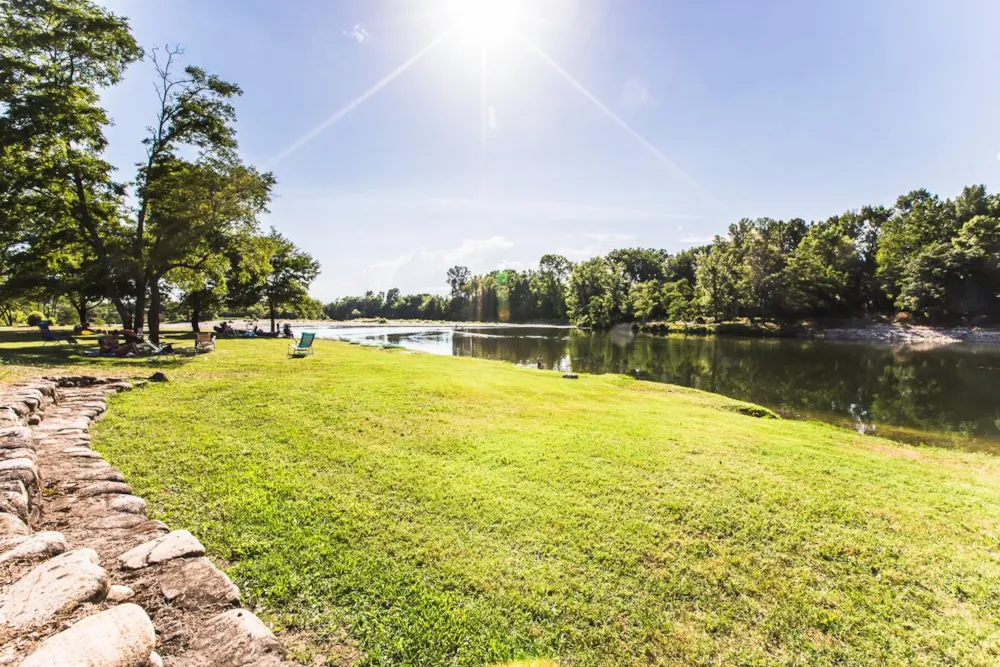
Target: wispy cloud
478, 254
636, 95
610, 238
597, 243
357, 33
696, 240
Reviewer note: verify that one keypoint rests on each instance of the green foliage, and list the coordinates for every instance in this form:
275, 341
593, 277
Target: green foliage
35, 317
287, 284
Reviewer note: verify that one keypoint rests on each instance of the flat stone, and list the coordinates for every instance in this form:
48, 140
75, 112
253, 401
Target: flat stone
177, 544
102, 489
197, 584
120, 593
122, 636
20, 453
102, 473
82, 453
56, 587
127, 503
54, 423
15, 437
23, 469
96, 507
12, 502
234, 638
38, 546
116, 520
10, 526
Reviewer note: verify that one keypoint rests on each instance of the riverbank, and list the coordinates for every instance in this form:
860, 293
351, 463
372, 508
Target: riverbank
384, 507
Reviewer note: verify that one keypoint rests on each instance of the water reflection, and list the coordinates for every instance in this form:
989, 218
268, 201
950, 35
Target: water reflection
945, 396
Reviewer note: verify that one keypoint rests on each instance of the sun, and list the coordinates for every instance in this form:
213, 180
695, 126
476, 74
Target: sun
484, 23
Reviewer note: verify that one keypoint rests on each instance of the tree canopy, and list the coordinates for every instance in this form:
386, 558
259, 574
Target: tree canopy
176, 230
929, 258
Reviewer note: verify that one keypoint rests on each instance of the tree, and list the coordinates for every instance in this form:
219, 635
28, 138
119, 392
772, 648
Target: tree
593, 294
646, 300
548, 286
201, 210
55, 57
292, 271
716, 274
821, 273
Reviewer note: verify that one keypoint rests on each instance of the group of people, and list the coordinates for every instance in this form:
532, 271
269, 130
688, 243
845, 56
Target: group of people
226, 328
133, 344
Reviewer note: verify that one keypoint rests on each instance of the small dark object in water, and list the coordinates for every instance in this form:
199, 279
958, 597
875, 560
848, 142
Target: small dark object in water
570, 376
158, 377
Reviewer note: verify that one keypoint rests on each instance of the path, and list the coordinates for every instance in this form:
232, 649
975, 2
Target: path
86, 578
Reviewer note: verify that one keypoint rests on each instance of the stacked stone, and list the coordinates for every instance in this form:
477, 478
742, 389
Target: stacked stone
86, 579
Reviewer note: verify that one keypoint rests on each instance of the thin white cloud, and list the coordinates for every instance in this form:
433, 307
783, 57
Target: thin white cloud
610, 238
636, 95
357, 33
479, 254
696, 240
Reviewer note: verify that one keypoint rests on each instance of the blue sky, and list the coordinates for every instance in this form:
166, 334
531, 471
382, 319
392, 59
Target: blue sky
604, 124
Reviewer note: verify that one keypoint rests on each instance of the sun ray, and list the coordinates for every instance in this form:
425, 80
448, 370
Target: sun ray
355, 103
660, 155
483, 124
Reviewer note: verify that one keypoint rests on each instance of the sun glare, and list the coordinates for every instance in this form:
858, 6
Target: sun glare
484, 23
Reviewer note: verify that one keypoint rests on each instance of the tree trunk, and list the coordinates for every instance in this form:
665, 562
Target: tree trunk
154, 310
271, 305
140, 304
195, 314
81, 310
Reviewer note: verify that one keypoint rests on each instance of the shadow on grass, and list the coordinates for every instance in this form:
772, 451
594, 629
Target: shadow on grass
26, 348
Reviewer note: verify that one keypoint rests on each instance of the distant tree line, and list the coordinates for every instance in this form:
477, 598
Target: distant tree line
179, 233
932, 259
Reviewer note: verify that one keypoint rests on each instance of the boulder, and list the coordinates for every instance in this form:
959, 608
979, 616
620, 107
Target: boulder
21, 469
234, 638
15, 437
196, 583
11, 526
56, 587
177, 544
32, 547
122, 636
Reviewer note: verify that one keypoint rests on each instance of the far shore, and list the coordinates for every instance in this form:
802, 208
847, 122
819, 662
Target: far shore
351, 324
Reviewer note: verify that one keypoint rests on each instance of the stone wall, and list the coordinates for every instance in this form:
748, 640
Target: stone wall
86, 579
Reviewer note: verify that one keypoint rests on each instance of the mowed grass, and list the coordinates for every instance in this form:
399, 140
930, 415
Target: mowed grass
389, 508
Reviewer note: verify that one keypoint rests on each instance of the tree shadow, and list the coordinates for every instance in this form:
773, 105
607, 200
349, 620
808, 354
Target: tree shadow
26, 348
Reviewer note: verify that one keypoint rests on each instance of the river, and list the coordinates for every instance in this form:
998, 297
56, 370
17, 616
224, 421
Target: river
946, 396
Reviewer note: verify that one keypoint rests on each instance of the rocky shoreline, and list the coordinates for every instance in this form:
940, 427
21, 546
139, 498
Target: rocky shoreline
898, 334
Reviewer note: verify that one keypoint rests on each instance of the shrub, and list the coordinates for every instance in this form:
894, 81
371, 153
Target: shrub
35, 317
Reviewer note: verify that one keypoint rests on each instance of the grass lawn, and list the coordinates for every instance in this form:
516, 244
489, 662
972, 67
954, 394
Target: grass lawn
390, 508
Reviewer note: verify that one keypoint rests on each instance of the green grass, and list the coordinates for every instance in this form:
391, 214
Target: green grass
400, 509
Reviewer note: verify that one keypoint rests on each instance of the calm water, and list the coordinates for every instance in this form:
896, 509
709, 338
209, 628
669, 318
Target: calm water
947, 396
